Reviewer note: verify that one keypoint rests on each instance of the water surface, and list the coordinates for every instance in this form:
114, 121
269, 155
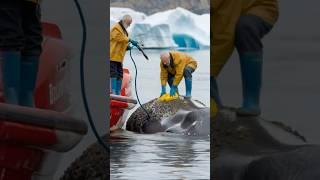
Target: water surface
159, 156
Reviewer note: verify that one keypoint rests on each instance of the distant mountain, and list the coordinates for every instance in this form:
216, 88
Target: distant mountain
153, 6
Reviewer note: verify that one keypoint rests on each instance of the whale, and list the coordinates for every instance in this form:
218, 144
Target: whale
253, 148
181, 116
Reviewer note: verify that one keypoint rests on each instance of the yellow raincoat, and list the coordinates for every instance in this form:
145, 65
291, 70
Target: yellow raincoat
118, 43
180, 61
225, 16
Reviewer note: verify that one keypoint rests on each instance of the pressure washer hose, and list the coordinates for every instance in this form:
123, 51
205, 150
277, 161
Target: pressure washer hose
135, 79
83, 91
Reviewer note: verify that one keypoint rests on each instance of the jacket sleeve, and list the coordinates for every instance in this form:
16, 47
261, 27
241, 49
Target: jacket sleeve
116, 35
179, 71
163, 75
216, 4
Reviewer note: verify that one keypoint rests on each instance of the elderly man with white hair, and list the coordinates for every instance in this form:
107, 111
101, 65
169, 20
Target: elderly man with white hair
119, 44
174, 66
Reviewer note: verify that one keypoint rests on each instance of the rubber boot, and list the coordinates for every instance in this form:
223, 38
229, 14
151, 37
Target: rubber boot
188, 84
114, 85
215, 92
11, 61
29, 72
251, 71
119, 84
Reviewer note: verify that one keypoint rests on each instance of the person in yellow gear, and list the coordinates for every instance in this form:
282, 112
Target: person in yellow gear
20, 49
119, 44
174, 66
242, 24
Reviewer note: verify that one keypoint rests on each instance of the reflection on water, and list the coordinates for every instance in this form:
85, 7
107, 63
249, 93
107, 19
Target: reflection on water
159, 156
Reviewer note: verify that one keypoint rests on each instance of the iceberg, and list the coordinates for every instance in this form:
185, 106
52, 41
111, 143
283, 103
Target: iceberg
174, 28
153, 37
116, 13
188, 30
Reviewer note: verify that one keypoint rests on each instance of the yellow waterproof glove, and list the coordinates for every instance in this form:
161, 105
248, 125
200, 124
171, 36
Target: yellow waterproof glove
163, 97
166, 97
170, 98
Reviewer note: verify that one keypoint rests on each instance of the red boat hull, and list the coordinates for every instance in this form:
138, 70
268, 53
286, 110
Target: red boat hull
119, 107
21, 144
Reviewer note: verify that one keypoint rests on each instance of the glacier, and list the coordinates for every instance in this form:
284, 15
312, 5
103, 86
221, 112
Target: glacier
174, 28
116, 13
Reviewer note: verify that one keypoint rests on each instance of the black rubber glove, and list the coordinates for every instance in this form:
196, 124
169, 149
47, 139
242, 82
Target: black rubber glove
129, 47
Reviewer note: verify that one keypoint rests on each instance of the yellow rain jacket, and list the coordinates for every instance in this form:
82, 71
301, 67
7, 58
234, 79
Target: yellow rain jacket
178, 62
118, 43
225, 16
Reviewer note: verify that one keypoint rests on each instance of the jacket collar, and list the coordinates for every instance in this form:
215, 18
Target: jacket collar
171, 62
123, 28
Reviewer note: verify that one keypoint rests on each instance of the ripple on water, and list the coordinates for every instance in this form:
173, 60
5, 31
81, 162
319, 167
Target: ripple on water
160, 156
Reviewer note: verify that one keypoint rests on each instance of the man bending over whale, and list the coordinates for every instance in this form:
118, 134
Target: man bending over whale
242, 24
174, 66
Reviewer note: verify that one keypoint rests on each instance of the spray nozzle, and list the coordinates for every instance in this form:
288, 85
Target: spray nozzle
144, 54
139, 47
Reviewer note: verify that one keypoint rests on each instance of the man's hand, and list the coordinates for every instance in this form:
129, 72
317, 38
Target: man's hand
129, 47
133, 42
173, 90
163, 90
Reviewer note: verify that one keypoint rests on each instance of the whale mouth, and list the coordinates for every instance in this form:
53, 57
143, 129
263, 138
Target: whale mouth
186, 123
174, 125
